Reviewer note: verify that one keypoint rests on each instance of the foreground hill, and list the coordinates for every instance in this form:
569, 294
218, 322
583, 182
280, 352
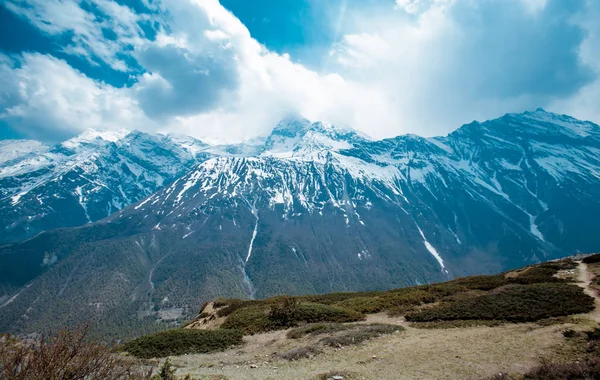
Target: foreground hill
318, 209
539, 322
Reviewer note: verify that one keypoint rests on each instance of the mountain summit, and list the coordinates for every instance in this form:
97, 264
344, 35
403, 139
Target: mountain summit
314, 209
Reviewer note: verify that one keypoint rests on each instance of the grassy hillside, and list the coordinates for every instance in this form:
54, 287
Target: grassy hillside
531, 294
539, 322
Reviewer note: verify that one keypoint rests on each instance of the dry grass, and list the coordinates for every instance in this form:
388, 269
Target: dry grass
466, 353
334, 375
298, 353
66, 355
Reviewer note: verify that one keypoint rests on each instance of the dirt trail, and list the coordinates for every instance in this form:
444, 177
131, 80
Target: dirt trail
584, 279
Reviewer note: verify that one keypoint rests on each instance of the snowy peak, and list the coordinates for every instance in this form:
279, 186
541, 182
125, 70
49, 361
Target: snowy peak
14, 149
538, 124
297, 138
95, 137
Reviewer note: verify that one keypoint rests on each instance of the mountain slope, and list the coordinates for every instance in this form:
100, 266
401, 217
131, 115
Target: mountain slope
85, 179
320, 209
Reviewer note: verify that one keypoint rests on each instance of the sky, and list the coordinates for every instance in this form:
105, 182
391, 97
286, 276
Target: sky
228, 71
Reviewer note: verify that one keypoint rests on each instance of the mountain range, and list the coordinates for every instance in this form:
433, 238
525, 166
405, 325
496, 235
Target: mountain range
127, 228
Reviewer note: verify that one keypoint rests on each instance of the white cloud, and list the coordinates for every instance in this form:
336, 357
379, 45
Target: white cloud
49, 100
451, 62
584, 104
56, 17
425, 66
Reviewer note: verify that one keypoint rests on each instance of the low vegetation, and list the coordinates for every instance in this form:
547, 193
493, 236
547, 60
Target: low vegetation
524, 303
286, 313
346, 375
592, 259
66, 355
317, 329
255, 316
580, 370
183, 341
298, 353
360, 334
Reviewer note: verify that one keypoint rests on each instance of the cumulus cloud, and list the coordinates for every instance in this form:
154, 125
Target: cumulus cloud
454, 61
584, 103
192, 68
418, 66
100, 32
45, 98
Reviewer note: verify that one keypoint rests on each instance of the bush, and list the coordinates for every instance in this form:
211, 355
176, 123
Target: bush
314, 312
167, 372
538, 274
250, 320
284, 313
592, 259
67, 355
518, 304
317, 329
300, 353
228, 306
333, 298
182, 341
482, 282
456, 324
397, 299
584, 370
256, 319
360, 334
367, 305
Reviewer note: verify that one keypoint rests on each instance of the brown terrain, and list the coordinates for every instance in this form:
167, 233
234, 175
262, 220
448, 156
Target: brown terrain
475, 352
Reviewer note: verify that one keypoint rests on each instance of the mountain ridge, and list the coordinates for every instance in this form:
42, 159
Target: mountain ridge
314, 214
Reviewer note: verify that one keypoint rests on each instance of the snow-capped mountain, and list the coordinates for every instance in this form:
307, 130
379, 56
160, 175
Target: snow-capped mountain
318, 208
84, 179
13, 149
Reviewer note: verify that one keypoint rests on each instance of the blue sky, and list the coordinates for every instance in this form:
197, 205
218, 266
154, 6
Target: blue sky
228, 71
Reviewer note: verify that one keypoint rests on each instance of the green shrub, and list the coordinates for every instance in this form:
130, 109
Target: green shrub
444, 289
410, 297
396, 299
300, 353
367, 305
584, 370
255, 319
314, 312
226, 307
182, 341
456, 324
518, 304
538, 274
592, 259
250, 320
334, 298
284, 313
360, 334
317, 329
401, 310
481, 282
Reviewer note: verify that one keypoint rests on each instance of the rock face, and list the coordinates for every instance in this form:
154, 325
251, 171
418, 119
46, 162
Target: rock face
317, 208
